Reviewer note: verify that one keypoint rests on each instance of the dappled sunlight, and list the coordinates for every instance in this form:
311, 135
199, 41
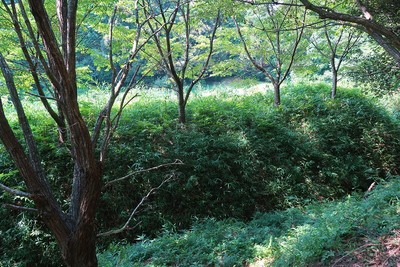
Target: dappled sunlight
295, 237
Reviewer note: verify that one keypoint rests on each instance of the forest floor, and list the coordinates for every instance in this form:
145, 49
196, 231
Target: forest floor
383, 251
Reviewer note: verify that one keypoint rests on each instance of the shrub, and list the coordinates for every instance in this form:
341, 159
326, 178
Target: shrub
241, 156
294, 237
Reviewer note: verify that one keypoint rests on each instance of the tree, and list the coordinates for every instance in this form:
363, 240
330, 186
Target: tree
74, 230
276, 32
384, 32
179, 47
336, 44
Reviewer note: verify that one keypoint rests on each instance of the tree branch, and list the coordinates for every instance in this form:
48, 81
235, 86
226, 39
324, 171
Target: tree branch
175, 163
126, 225
250, 57
15, 191
16, 207
270, 2
383, 35
210, 52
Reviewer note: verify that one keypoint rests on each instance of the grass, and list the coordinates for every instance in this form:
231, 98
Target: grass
321, 233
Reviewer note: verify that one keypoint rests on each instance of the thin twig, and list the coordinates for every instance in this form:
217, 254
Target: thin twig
176, 162
272, 2
40, 96
126, 225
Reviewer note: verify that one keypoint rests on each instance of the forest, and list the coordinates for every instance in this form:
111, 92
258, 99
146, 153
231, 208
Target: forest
199, 133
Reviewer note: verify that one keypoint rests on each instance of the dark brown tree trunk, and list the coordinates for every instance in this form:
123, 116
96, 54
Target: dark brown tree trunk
277, 94
334, 82
78, 244
181, 104
79, 250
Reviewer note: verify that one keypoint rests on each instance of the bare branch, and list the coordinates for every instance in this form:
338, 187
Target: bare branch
210, 52
126, 225
118, 81
40, 96
28, 56
23, 120
270, 2
16, 207
15, 191
250, 57
299, 34
110, 46
177, 162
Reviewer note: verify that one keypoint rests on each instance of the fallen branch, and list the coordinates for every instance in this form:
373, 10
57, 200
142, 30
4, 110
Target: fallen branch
176, 162
126, 225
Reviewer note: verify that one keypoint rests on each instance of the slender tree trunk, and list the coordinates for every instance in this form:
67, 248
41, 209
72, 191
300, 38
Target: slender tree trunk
181, 104
334, 82
277, 94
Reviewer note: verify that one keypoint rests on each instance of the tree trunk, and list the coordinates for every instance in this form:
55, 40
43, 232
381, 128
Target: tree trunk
277, 94
75, 230
80, 249
181, 104
334, 82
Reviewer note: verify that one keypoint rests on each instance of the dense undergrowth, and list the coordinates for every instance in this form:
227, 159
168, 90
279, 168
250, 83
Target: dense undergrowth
322, 234
240, 156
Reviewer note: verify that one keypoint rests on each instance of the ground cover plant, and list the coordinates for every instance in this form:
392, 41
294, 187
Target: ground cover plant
321, 234
240, 156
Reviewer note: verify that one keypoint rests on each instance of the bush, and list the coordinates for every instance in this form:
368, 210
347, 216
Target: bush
294, 237
241, 156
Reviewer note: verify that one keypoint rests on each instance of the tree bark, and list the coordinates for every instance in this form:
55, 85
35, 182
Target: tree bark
78, 243
79, 250
181, 104
334, 82
277, 95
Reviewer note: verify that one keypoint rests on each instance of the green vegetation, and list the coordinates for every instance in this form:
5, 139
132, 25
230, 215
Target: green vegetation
92, 155
241, 157
294, 237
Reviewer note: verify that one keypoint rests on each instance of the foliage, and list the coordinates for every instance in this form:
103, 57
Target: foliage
240, 156
376, 69
226, 155
294, 237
